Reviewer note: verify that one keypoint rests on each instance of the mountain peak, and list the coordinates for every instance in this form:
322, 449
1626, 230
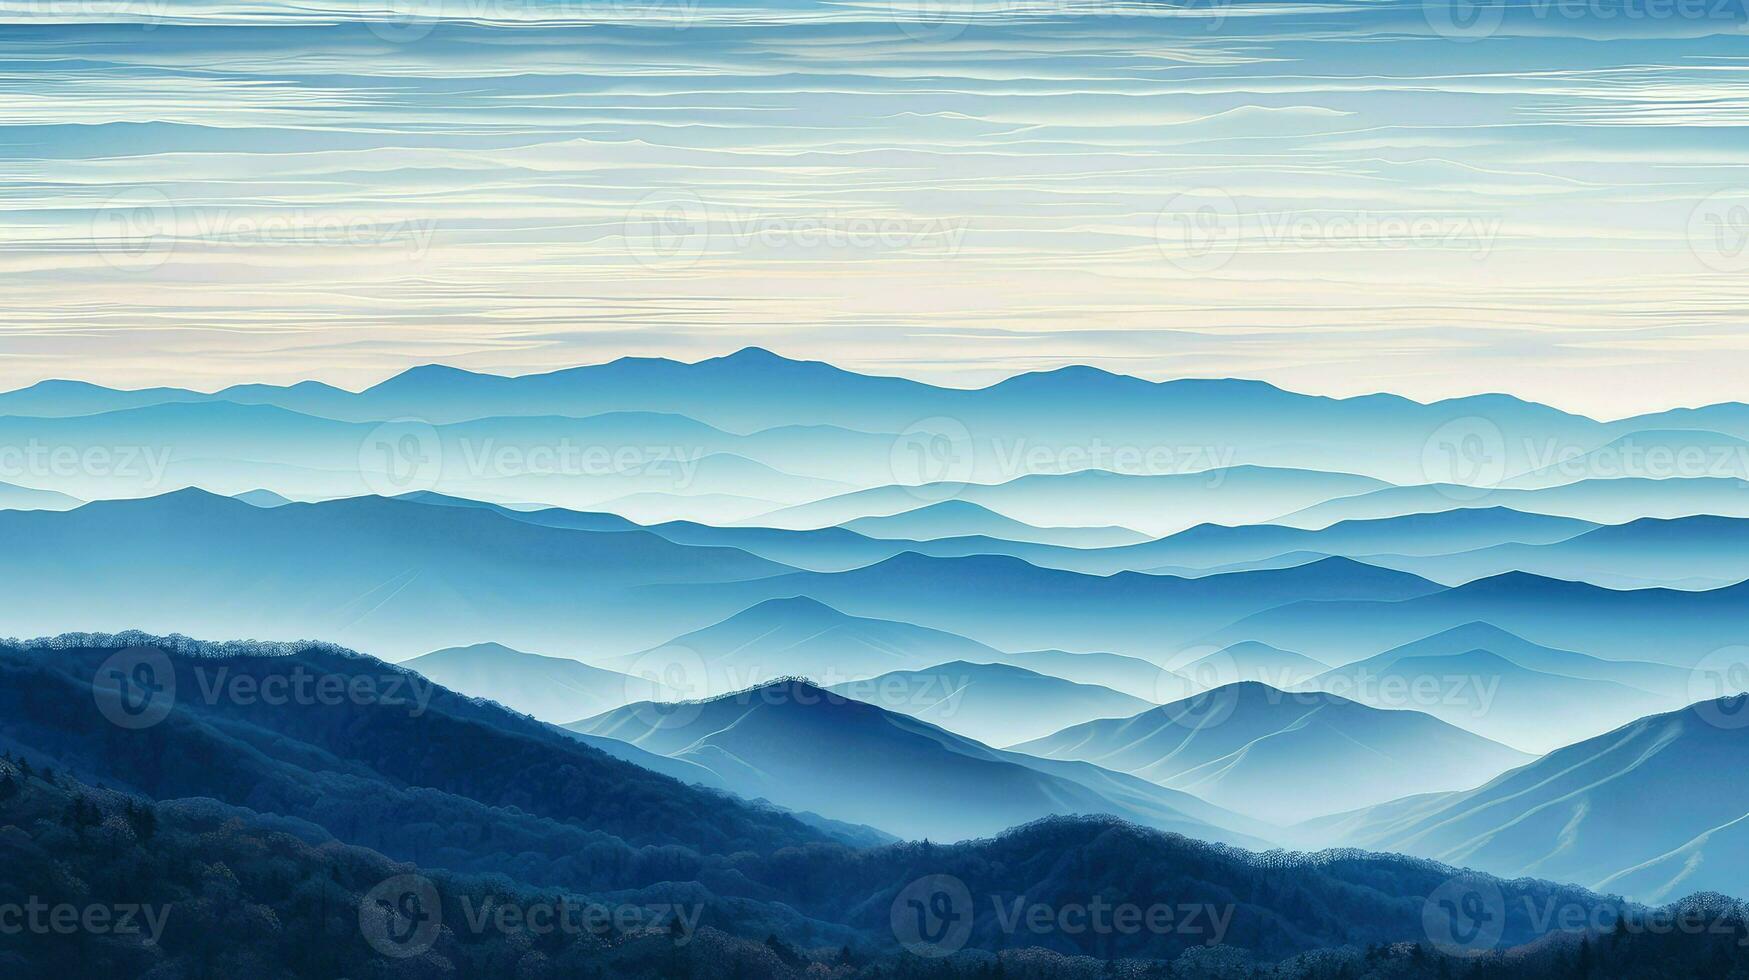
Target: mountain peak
783, 691
426, 376
792, 607
1477, 633
754, 353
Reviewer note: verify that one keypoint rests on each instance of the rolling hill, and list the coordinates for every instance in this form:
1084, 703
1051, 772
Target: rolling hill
1283, 757
1652, 810
994, 703
794, 637
1484, 679
810, 749
549, 688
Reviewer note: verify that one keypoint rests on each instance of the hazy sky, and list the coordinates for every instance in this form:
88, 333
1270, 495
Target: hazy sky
1331, 196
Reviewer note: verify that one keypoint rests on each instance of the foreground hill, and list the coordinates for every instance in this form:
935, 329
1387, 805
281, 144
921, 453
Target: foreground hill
1652, 810
810, 749
1283, 757
312, 907
245, 817
378, 757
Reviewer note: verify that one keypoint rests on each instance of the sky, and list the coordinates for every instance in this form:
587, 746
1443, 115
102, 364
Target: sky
1549, 198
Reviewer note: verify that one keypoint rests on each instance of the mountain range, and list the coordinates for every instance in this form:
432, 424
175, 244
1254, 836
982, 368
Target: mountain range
1284, 757
554, 689
1644, 810
995, 703
1382, 435
810, 749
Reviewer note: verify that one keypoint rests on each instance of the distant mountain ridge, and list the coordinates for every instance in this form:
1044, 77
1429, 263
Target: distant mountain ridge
997, 703
1054, 409
553, 689
1281, 756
